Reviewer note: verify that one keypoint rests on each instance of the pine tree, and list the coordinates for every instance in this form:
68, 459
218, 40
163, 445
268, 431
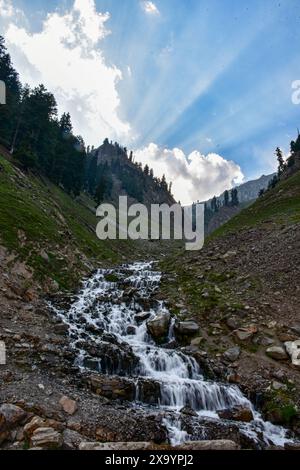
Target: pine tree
226, 198
281, 162
234, 197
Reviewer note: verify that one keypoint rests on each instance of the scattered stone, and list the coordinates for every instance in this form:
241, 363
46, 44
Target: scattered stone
197, 341
229, 254
45, 256
233, 323
293, 350
186, 328
47, 438
69, 406
232, 354
61, 329
278, 386
277, 352
246, 333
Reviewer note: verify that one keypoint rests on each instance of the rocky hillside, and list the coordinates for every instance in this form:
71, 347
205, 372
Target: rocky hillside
112, 173
243, 290
49, 237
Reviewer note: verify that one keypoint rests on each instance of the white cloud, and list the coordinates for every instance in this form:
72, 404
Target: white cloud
6, 9
150, 8
195, 176
67, 57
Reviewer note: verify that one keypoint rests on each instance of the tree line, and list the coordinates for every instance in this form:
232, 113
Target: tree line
44, 142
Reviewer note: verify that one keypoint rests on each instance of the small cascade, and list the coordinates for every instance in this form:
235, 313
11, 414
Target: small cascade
108, 329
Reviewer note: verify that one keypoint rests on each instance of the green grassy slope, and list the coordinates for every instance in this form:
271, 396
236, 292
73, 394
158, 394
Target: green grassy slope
37, 216
279, 205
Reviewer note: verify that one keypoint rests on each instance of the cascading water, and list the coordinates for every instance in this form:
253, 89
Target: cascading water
108, 329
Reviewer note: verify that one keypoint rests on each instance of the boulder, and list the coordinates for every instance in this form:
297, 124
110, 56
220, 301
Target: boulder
232, 354
246, 333
237, 413
222, 444
141, 317
46, 438
186, 328
110, 358
197, 341
277, 352
116, 446
69, 406
295, 328
159, 326
72, 439
186, 410
293, 350
112, 387
10, 416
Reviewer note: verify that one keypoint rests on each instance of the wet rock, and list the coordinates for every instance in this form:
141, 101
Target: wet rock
232, 354
188, 411
292, 445
141, 317
237, 413
277, 352
222, 444
186, 328
111, 358
112, 387
293, 350
68, 405
149, 391
131, 330
159, 326
61, 329
46, 438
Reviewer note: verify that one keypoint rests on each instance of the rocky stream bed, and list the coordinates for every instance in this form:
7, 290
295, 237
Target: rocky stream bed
130, 349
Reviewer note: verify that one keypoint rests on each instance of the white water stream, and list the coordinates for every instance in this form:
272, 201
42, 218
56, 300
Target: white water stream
101, 306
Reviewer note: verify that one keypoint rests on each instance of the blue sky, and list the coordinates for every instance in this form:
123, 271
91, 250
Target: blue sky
205, 76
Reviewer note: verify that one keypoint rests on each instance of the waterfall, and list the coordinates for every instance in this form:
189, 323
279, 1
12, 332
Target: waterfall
105, 313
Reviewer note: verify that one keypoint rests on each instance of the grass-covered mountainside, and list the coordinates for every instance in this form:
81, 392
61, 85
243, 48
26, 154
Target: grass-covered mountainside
52, 232
243, 290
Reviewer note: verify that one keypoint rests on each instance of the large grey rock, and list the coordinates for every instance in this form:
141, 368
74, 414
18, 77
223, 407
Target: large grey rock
293, 350
159, 326
277, 352
222, 444
47, 438
186, 328
72, 439
232, 354
10, 416
115, 446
